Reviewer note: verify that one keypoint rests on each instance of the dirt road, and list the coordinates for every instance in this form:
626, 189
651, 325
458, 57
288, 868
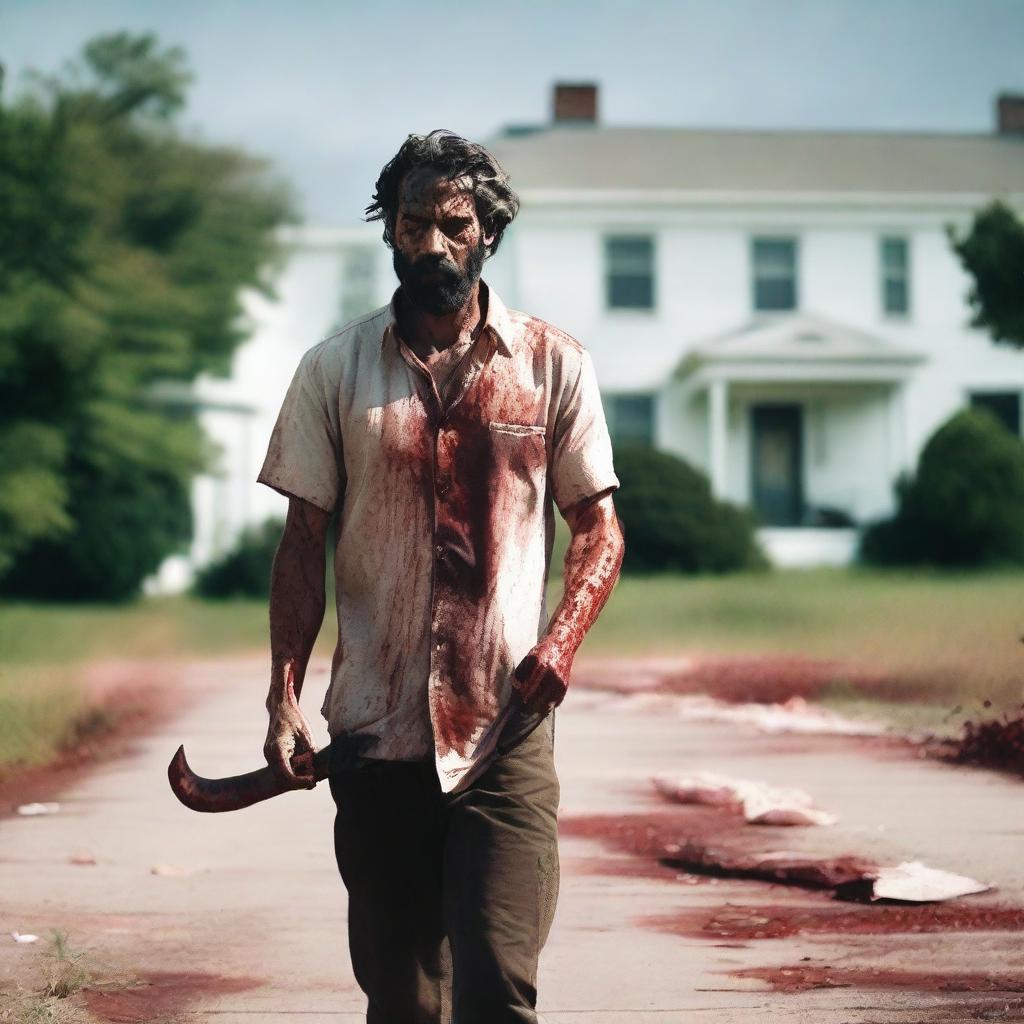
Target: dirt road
244, 920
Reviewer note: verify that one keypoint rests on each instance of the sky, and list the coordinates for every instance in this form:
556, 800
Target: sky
329, 90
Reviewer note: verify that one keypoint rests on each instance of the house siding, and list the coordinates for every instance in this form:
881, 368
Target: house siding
551, 265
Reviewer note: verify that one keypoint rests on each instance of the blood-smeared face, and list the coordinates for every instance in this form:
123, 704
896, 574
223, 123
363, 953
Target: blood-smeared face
439, 242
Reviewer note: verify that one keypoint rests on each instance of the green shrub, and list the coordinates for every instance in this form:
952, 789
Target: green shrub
245, 570
124, 522
964, 506
672, 521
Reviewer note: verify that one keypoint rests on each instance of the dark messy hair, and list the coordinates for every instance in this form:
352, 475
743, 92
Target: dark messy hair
454, 157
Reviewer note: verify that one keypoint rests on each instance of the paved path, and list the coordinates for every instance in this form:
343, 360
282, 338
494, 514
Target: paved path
258, 919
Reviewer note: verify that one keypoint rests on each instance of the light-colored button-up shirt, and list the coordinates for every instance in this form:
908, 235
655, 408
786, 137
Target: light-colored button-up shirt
445, 527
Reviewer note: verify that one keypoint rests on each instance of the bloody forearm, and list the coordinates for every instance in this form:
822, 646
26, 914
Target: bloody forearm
592, 564
297, 599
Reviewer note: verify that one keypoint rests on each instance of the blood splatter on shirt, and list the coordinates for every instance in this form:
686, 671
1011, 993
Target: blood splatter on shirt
446, 521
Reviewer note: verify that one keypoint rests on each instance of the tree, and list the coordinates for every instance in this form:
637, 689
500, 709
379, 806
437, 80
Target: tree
124, 247
992, 252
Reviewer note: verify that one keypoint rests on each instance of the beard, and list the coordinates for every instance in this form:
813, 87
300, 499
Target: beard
447, 292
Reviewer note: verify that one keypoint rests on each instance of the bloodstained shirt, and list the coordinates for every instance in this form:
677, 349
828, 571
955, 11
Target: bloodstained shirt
445, 526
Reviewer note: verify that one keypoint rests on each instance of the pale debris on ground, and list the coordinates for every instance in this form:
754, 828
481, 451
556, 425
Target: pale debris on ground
795, 715
915, 882
758, 802
34, 810
169, 871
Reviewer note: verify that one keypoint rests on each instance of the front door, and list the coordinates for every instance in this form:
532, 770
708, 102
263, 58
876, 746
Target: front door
776, 463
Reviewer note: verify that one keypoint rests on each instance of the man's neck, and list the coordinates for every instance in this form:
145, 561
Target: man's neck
426, 333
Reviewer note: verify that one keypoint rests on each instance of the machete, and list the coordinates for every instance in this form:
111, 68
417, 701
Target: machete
234, 792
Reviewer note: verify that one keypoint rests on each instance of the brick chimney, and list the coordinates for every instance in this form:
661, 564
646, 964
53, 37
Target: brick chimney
575, 103
1010, 113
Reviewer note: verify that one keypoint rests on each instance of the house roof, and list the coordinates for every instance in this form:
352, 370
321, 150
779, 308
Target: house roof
802, 339
596, 158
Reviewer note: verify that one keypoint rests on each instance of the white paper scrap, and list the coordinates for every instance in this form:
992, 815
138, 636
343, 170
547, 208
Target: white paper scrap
33, 810
917, 883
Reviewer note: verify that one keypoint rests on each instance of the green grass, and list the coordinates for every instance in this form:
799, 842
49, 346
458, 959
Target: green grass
825, 612
42, 707
38, 715
66, 972
43, 634
943, 638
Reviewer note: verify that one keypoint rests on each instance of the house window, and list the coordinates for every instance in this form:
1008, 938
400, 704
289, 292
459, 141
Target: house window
629, 271
630, 418
895, 258
774, 262
1004, 405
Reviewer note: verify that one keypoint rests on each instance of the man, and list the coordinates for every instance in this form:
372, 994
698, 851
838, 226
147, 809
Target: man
439, 429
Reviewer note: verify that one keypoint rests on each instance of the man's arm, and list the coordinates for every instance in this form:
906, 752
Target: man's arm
297, 603
592, 564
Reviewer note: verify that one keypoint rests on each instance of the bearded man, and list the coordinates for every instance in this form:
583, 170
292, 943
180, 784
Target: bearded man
438, 432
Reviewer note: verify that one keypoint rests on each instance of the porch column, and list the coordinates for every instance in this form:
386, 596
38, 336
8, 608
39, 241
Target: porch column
897, 431
718, 398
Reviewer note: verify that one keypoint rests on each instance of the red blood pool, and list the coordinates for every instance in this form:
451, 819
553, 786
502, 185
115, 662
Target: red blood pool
159, 995
803, 977
825, 916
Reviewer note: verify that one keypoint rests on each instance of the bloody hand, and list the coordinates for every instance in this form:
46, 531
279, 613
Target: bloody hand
542, 677
289, 744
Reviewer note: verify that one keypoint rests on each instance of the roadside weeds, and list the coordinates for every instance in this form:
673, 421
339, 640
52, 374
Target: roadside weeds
54, 995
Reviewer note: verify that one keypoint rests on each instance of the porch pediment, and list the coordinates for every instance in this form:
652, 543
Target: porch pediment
804, 346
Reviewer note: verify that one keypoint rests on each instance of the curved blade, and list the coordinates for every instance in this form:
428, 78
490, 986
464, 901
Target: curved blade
236, 791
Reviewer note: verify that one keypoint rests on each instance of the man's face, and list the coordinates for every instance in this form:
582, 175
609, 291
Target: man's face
439, 244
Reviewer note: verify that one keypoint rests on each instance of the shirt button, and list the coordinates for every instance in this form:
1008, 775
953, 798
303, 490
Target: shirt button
439, 549
442, 485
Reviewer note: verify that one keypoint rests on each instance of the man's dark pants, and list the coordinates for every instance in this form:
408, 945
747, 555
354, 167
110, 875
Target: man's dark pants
479, 866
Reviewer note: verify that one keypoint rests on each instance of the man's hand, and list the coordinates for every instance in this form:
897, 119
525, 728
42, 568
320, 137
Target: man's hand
542, 677
289, 745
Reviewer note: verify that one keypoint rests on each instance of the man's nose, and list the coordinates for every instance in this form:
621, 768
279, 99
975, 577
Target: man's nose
434, 241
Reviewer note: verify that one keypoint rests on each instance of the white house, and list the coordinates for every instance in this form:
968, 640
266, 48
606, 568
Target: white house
781, 308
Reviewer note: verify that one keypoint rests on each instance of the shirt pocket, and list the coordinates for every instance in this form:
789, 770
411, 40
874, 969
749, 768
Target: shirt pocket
519, 453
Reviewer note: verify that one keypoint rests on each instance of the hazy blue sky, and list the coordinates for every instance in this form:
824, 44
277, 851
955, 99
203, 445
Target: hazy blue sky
330, 89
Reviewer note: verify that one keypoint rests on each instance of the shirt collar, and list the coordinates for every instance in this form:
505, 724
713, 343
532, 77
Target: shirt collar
498, 319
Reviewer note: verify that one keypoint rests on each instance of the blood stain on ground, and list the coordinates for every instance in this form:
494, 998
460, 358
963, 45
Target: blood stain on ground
828, 917
650, 845
159, 995
763, 679
703, 841
626, 867
804, 977
650, 835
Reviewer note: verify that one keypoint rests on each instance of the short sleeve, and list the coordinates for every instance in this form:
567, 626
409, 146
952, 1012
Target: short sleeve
581, 465
304, 457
